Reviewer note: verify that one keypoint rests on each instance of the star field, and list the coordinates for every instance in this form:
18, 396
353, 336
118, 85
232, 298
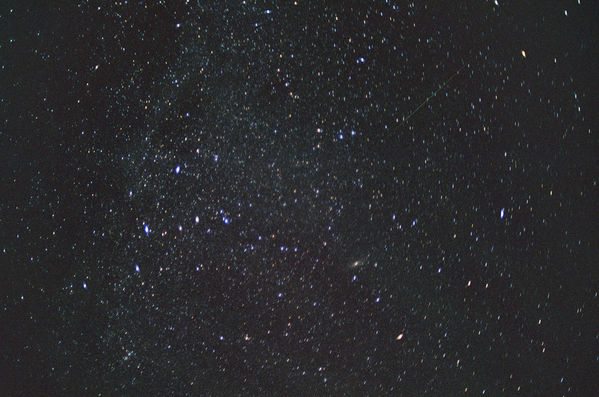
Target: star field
291, 198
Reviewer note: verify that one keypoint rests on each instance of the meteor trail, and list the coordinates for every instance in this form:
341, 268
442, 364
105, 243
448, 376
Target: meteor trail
432, 95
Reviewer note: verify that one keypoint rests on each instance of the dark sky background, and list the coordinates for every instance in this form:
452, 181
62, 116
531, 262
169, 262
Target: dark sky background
309, 198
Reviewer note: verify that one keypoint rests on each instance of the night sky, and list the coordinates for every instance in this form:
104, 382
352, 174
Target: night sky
299, 198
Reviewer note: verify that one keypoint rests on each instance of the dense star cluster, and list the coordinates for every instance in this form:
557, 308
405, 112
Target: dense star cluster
294, 198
